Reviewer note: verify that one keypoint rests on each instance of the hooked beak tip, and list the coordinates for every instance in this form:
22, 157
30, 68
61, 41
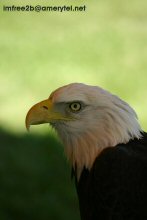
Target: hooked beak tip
27, 126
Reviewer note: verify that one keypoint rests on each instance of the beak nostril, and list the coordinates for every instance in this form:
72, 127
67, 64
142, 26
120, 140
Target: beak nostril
45, 107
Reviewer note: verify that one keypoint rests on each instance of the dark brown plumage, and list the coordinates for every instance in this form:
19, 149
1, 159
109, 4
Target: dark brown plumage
116, 186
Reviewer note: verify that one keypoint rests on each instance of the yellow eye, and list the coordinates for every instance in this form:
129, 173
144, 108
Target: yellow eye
75, 106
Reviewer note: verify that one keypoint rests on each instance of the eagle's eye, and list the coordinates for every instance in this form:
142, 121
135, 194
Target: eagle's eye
75, 106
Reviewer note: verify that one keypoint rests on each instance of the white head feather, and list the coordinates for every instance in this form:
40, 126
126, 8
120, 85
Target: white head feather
106, 121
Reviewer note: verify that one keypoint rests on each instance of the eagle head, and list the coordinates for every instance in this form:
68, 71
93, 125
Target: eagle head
88, 119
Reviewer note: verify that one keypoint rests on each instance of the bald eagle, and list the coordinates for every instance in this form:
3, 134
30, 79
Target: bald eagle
106, 147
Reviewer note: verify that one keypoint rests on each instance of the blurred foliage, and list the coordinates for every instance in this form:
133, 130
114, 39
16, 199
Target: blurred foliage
105, 46
35, 181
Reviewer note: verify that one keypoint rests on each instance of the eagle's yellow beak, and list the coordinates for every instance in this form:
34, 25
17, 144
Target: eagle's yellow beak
43, 112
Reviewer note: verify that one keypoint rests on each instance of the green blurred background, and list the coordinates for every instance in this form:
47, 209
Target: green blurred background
105, 46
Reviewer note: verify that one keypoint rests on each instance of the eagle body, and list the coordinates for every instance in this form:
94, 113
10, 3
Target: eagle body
116, 186
106, 147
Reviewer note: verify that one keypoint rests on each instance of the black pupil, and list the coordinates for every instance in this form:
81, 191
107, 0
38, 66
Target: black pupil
75, 105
